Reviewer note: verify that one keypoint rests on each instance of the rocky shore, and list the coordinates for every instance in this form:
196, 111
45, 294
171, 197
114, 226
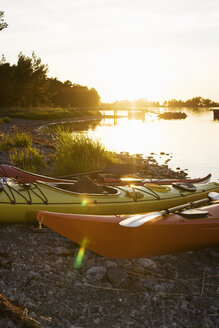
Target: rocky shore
40, 285
37, 271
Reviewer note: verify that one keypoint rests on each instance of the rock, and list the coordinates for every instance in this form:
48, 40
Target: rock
97, 320
124, 263
59, 261
32, 275
116, 276
10, 324
62, 251
110, 263
97, 273
144, 264
47, 268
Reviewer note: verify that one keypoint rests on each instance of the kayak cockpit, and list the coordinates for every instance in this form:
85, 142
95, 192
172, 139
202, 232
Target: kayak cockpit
86, 186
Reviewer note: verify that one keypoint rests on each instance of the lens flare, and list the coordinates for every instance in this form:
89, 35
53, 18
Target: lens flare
83, 203
80, 256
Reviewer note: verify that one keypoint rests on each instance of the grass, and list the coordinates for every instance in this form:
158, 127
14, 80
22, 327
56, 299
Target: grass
48, 113
79, 153
28, 159
15, 140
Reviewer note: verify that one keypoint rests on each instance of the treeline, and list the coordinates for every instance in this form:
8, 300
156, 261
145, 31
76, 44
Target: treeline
26, 84
193, 103
128, 104
197, 102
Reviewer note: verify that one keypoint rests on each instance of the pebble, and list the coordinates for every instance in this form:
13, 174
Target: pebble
109, 263
145, 264
96, 273
62, 251
117, 276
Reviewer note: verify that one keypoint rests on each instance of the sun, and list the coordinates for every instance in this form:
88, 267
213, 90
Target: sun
134, 75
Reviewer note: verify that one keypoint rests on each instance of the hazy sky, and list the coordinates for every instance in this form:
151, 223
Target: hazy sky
126, 49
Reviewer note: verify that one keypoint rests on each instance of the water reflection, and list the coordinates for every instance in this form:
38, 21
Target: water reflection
193, 141
80, 125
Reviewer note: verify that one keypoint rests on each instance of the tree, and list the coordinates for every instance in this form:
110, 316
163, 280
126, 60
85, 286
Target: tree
26, 84
72, 95
30, 81
6, 84
3, 24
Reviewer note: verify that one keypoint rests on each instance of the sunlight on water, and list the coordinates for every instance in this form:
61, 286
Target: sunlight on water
190, 143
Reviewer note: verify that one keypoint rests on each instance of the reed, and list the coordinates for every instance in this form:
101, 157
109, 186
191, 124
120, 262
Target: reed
9, 141
77, 153
28, 159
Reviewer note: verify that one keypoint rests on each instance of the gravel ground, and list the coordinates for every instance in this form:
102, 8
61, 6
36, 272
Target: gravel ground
37, 271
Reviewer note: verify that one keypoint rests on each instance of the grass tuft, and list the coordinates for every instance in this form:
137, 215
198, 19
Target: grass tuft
28, 159
77, 153
8, 141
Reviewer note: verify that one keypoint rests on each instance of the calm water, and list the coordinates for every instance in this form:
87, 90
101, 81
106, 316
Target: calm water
192, 143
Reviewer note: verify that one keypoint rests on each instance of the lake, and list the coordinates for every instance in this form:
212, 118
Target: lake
190, 143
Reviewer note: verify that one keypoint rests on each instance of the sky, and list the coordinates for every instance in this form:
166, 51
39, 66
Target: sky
125, 49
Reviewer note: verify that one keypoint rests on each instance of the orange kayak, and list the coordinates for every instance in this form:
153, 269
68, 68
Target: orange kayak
105, 235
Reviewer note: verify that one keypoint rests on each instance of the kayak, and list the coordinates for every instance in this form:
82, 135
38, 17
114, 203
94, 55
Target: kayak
106, 236
125, 181
25, 176
20, 201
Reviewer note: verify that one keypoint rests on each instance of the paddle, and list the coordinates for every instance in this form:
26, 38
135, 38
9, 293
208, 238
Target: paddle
140, 219
117, 169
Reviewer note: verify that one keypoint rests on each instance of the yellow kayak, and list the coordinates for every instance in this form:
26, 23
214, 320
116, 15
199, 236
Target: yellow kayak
19, 202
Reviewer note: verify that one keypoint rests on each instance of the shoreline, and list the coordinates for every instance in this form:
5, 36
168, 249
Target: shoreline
44, 143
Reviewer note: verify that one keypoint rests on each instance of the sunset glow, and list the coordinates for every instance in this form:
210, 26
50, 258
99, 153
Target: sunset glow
157, 50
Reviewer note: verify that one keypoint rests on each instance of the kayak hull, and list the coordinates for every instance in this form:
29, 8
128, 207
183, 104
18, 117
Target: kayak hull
104, 236
19, 202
